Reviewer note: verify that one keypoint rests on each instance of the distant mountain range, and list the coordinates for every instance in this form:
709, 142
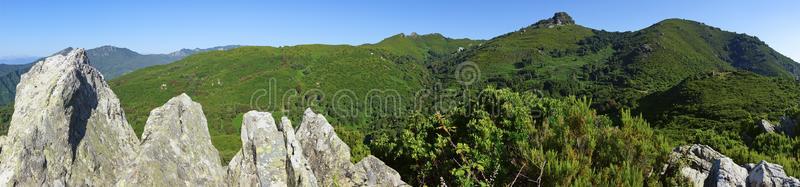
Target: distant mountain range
110, 60
17, 60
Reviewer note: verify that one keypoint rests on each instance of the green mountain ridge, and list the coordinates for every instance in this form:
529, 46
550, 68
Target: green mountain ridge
227, 82
575, 105
554, 57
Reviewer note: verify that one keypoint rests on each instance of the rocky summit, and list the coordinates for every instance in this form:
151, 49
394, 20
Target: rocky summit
558, 19
68, 130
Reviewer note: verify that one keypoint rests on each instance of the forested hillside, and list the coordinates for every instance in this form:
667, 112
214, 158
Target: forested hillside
553, 103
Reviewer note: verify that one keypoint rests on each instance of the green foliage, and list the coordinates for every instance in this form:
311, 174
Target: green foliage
773, 144
286, 81
722, 101
505, 137
5, 118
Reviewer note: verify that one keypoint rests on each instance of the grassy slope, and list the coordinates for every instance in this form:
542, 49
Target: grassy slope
225, 81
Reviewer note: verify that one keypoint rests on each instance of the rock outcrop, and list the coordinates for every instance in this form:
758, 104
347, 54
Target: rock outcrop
703, 166
725, 172
263, 158
67, 127
559, 19
693, 162
787, 126
274, 155
768, 174
176, 149
68, 130
328, 155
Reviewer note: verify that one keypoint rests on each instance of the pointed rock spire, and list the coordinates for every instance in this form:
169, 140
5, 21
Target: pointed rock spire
67, 127
176, 149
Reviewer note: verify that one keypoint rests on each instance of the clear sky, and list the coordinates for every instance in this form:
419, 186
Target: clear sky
38, 27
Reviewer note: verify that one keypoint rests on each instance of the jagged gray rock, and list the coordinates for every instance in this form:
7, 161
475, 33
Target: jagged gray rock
328, 155
67, 127
176, 149
768, 174
558, 19
262, 160
726, 173
299, 171
704, 166
378, 174
274, 155
270, 155
693, 162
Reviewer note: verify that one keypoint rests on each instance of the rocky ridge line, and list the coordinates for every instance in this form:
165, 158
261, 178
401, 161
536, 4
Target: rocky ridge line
68, 129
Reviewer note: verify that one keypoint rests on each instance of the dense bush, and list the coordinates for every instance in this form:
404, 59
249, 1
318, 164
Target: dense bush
504, 138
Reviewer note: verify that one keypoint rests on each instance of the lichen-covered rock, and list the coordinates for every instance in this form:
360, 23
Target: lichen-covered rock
725, 172
378, 173
693, 162
768, 174
299, 171
328, 155
176, 149
263, 158
67, 127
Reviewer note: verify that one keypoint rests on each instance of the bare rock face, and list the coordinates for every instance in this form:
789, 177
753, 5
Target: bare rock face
768, 174
726, 173
176, 149
67, 127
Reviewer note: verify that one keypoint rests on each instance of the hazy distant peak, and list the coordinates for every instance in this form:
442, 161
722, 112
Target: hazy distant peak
108, 50
186, 52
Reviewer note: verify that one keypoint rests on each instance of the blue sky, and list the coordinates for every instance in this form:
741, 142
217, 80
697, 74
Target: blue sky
37, 28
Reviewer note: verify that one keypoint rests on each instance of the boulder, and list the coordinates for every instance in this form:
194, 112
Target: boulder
765, 126
176, 149
725, 172
328, 155
67, 127
378, 173
768, 174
